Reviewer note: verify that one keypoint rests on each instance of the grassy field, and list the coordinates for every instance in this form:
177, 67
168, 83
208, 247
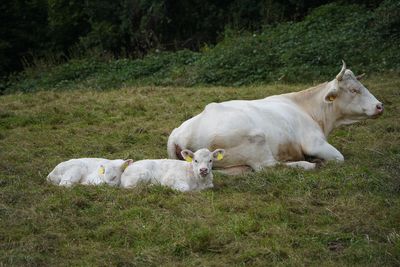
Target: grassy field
346, 214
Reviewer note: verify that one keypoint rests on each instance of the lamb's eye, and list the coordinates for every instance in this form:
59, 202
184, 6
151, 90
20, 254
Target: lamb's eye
195, 160
354, 91
210, 160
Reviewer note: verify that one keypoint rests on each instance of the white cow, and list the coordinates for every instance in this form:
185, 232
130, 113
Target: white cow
194, 174
278, 129
92, 171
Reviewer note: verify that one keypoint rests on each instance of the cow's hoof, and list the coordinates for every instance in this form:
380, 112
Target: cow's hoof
319, 163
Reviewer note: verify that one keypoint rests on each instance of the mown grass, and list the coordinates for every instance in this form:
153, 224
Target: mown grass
338, 215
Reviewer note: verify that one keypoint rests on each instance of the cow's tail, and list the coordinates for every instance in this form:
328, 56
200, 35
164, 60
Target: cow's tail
174, 149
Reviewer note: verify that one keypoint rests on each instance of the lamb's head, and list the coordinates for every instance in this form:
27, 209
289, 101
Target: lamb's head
202, 160
110, 172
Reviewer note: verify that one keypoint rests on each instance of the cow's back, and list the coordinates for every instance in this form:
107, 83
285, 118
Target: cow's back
86, 165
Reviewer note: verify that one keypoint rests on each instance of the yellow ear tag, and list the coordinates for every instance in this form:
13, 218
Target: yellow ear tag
220, 156
332, 97
189, 159
102, 170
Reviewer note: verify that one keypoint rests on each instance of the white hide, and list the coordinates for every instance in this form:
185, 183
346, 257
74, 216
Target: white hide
194, 175
278, 129
89, 171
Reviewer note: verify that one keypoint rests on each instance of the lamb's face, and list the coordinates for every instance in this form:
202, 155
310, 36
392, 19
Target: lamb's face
202, 160
111, 171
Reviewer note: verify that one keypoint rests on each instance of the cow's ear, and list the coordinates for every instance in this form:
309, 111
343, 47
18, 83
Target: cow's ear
332, 92
187, 155
330, 97
126, 164
102, 170
218, 154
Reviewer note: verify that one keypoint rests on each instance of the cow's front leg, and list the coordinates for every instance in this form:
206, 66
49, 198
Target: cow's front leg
325, 151
180, 186
66, 182
301, 164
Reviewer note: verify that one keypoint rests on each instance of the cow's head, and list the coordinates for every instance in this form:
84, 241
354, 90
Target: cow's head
351, 99
110, 172
202, 160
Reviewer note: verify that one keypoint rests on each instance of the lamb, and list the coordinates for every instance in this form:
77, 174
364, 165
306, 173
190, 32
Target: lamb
88, 171
194, 174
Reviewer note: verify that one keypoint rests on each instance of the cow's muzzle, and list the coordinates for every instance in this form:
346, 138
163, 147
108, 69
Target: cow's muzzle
203, 172
379, 107
378, 110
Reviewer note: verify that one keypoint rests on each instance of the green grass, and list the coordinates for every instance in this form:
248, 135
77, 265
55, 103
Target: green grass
338, 215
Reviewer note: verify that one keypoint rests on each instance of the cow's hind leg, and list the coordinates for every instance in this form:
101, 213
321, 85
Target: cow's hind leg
71, 177
135, 177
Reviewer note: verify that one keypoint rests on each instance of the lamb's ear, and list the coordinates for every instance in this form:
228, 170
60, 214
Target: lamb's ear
126, 164
187, 155
102, 170
332, 93
218, 154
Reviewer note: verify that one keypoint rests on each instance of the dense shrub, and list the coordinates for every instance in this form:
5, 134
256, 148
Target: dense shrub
159, 68
238, 60
32, 29
307, 50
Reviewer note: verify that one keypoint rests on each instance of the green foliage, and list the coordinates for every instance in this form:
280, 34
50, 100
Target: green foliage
238, 60
67, 21
387, 20
22, 30
307, 50
34, 29
310, 49
157, 69
338, 215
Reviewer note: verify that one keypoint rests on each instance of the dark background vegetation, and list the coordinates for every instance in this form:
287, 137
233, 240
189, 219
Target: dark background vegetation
224, 42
